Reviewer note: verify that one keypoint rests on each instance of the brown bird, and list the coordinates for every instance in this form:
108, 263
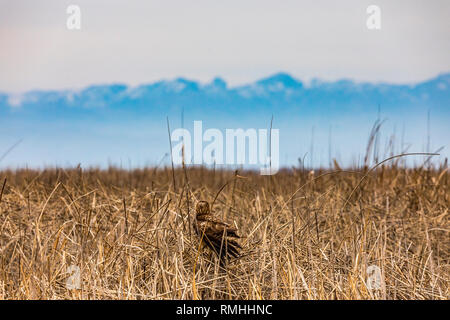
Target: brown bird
218, 235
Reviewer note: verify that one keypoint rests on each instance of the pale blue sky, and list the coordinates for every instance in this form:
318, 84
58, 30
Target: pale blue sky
142, 41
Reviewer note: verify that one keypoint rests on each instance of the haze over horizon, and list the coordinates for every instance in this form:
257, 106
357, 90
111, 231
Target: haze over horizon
307, 82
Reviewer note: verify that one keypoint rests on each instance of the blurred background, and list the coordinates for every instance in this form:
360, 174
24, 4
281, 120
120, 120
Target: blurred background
100, 95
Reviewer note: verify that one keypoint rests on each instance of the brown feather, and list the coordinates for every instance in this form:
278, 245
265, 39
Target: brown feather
218, 235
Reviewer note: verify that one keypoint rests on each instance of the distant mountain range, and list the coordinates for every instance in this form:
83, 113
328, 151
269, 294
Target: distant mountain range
113, 123
275, 94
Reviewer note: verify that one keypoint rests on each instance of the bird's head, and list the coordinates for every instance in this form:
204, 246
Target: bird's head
202, 208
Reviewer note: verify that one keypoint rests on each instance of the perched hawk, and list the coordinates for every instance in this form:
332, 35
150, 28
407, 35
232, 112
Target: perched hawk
216, 234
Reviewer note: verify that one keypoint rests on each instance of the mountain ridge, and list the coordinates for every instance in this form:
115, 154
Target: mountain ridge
115, 122
280, 90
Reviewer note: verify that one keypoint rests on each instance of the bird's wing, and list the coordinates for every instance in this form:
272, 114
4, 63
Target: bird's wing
215, 220
218, 227
212, 232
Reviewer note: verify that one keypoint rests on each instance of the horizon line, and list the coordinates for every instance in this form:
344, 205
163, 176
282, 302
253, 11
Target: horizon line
306, 82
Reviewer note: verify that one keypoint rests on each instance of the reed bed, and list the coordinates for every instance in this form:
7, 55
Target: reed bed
308, 234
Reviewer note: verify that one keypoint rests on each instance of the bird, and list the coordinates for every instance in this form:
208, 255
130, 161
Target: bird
218, 235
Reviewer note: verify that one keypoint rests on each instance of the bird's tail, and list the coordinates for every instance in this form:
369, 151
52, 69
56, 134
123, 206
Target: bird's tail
225, 249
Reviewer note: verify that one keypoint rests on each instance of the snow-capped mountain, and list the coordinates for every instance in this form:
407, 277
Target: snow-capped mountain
112, 123
280, 91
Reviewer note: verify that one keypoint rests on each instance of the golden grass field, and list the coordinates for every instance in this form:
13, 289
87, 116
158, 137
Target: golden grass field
308, 235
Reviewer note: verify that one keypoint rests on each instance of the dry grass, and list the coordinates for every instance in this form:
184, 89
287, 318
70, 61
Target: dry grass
131, 234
